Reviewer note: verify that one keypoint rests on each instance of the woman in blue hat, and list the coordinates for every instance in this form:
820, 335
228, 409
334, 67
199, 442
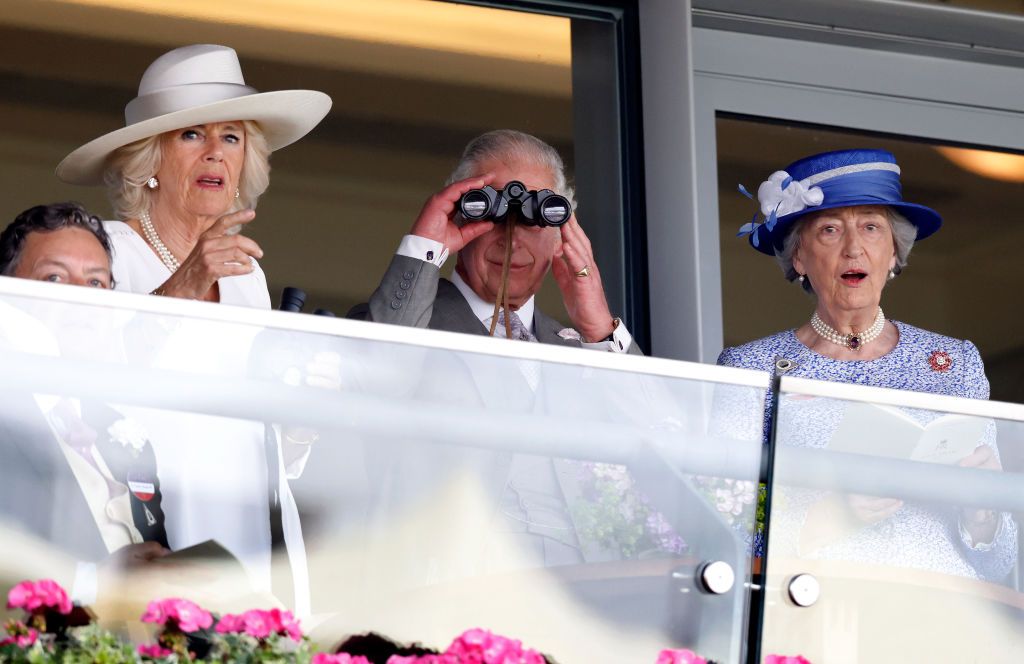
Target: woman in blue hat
838, 225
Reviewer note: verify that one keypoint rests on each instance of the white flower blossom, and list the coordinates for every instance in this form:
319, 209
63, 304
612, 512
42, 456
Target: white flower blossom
793, 198
569, 334
129, 434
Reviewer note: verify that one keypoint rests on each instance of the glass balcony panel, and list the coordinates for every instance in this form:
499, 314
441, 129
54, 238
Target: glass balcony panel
904, 509
374, 477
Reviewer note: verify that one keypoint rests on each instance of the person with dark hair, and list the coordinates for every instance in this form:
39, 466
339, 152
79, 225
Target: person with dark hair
61, 243
78, 473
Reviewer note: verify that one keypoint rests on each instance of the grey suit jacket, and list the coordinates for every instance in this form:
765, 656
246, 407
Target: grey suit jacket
413, 293
529, 494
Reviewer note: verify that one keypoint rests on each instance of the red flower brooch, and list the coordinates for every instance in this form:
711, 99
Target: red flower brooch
940, 361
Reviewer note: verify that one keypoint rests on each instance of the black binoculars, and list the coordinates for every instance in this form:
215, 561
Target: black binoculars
536, 208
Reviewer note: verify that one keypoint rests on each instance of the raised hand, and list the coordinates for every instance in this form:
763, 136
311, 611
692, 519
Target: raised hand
584, 297
436, 220
219, 252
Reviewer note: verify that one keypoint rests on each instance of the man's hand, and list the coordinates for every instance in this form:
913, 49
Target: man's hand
436, 220
584, 297
216, 254
136, 555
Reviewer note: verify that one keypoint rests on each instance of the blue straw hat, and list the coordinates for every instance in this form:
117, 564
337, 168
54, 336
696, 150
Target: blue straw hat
830, 180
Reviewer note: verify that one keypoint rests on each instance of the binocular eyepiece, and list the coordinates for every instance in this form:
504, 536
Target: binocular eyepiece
536, 208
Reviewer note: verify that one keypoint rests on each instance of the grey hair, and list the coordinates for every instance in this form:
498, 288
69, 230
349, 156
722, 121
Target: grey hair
904, 234
129, 168
510, 146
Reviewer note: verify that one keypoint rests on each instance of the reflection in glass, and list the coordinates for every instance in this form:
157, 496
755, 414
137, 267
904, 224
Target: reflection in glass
874, 502
566, 512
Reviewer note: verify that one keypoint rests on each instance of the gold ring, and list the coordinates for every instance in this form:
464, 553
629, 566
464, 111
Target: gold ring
584, 271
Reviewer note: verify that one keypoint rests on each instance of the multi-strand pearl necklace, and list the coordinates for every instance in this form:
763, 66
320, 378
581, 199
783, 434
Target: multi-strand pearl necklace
162, 251
853, 341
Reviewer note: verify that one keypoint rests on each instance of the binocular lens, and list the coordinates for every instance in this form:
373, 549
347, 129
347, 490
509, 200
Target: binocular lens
555, 212
475, 205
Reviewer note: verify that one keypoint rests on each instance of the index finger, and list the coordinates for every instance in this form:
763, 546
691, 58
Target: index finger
453, 192
221, 226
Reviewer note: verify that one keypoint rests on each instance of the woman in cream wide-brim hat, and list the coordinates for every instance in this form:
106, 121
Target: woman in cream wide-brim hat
186, 171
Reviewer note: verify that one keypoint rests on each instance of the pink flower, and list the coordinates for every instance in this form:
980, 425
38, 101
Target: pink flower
424, 659
340, 658
45, 594
188, 616
154, 651
21, 635
784, 659
230, 623
479, 646
261, 624
680, 657
287, 624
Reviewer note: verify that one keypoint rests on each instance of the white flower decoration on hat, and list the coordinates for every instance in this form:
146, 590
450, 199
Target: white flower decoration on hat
783, 195
129, 433
778, 196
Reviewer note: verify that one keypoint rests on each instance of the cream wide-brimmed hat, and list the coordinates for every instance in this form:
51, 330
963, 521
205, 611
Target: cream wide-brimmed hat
195, 85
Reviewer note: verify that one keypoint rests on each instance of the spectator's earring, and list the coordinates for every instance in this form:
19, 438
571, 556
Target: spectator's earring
892, 275
237, 194
153, 183
800, 279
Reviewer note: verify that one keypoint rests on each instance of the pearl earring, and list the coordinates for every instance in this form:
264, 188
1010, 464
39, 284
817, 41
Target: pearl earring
892, 274
800, 278
153, 183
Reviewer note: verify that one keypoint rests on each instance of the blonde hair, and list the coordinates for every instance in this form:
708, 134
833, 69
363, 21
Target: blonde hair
129, 168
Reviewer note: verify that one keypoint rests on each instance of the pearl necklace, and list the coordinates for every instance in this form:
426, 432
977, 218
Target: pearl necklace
162, 251
853, 341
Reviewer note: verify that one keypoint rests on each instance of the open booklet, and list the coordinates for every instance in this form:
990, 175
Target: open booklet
892, 432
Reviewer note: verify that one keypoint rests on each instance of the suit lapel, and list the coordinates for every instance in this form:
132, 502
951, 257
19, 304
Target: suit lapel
499, 388
452, 313
136, 470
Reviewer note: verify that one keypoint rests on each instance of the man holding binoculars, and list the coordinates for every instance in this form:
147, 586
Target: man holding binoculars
503, 175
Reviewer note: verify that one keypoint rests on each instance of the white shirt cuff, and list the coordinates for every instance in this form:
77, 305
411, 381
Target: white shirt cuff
83, 590
415, 246
620, 342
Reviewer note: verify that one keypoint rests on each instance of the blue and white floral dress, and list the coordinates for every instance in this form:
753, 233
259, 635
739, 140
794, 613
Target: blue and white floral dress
918, 536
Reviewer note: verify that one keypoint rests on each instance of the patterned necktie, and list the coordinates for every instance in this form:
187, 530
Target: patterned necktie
529, 368
519, 331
